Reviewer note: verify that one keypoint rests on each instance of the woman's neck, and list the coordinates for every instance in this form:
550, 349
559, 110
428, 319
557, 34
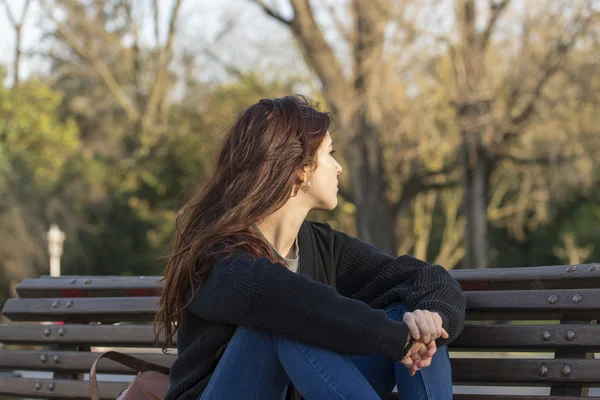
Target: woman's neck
281, 228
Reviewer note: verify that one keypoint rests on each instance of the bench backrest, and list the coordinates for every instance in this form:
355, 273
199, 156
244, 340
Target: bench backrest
546, 312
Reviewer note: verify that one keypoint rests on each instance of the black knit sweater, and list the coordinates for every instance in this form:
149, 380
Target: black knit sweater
334, 301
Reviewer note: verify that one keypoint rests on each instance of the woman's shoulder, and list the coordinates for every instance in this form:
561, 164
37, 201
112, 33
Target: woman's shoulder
325, 234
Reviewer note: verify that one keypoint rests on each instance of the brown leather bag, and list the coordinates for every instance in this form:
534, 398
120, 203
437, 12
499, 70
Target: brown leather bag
152, 382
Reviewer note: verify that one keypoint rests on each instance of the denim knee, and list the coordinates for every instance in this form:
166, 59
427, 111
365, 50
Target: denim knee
253, 337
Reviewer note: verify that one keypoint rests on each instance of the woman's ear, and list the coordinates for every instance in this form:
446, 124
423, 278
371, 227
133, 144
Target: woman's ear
304, 174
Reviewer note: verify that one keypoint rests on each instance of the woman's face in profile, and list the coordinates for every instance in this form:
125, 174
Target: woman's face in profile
324, 179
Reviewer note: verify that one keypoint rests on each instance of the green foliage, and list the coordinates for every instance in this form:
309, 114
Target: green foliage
32, 136
37, 152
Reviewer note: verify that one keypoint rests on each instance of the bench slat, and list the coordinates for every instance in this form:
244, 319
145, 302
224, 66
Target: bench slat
474, 337
478, 371
536, 278
63, 389
71, 361
74, 334
517, 372
529, 278
481, 305
102, 309
509, 337
98, 286
566, 304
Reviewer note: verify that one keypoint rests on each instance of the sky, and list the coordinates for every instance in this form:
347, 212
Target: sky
200, 22
255, 40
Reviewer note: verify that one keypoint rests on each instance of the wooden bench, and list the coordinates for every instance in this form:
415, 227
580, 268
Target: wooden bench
547, 312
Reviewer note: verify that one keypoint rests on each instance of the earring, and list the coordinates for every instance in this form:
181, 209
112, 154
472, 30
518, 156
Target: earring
305, 187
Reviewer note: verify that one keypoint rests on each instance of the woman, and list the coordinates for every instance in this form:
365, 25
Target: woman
267, 305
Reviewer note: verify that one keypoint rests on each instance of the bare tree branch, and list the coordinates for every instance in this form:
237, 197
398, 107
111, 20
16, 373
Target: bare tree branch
552, 63
416, 185
272, 13
133, 66
495, 9
155, 14
18, 26
25, 8
319, 55
159, 88
101, 69
9, 13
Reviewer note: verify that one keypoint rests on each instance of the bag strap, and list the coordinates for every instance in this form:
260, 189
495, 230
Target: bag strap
132, 362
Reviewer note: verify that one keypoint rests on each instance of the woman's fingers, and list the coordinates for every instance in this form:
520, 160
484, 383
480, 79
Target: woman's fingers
425, 325
410, 320
431, 349
433, 328
445, 334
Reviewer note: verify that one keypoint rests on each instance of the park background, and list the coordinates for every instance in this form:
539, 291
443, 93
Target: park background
468, 130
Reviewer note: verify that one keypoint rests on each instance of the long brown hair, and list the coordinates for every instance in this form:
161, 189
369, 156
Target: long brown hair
257, 169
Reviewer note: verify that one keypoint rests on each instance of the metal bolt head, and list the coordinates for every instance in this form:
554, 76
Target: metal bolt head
61, 332
57, 359
87, 281
69, 303
46, 332
55, 303
51, 386
38, 385
577, 298
543, 371
594, 268
73, 281
570, 334
572, 268
553, 299
546, 335
566, 370
43, 358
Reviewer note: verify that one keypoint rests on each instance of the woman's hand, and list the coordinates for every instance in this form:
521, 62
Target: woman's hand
424, 326
419, 356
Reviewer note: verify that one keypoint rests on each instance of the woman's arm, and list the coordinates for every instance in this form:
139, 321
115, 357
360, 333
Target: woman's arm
267, 296
366, 273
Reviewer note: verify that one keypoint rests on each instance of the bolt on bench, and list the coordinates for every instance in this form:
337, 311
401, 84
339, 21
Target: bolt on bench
538, 311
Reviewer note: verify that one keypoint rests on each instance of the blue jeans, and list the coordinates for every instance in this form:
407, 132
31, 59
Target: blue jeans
259, 365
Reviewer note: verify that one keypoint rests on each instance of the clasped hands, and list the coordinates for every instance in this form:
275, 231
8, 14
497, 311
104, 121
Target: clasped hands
425, 327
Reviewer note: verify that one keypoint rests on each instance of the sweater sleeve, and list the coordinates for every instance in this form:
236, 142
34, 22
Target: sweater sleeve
262, 295
367, 274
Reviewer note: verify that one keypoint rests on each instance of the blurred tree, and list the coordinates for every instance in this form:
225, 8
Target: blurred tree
401, 87
499, 103
356, 94
127, 78
17, 25
36, 152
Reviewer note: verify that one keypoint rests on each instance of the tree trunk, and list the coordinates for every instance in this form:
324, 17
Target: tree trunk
17, 61
375, 219
476, 183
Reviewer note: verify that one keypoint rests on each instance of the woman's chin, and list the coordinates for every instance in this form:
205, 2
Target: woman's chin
327, 206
